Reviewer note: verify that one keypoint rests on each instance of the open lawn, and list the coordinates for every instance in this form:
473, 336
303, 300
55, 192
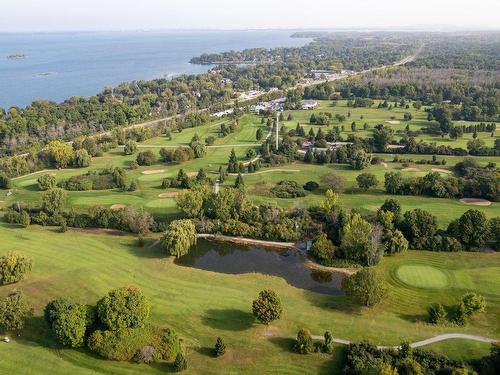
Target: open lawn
202, 305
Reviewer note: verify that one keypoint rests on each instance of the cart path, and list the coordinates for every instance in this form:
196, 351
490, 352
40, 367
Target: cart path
432, 340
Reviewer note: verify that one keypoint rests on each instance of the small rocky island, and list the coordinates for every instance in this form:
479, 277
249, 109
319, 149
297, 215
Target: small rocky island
16, 56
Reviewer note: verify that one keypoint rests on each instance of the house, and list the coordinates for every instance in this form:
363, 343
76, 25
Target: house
222, 113
309, 104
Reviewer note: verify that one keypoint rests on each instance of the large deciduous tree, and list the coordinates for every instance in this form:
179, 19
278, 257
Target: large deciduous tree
14, 310
179, 237
123, 308
60, 153
267, 307
365, 287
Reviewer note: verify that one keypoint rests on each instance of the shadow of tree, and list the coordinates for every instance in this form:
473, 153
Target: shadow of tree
228, 319
284, 343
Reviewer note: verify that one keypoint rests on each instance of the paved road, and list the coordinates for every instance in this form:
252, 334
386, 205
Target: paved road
446, 336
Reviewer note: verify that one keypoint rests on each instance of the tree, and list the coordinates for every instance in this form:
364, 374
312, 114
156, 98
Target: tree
267, 307
239, 183
14, 310
13, 268
365, 287
138, 220
180, 363
356, 242
69, 321
333, 181
60, 153
437, 314
124, 307
395, 242
146, 158
473, 303
191, 201
179, 237
360, 159
53, 201
323, 249
220, 347
471, 229
232, 165
130, 147
46, 182
331, 201
304, 342
5, 182
418, 224
259, 135
393, 206
366, 180
327, 342
81, 159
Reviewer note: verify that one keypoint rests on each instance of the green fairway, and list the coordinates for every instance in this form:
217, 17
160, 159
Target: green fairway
422, 276
202, 305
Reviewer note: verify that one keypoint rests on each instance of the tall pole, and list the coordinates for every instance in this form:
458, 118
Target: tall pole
277, 130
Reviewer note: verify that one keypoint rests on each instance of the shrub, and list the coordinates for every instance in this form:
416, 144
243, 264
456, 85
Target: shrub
437, 314
130, 147
220, 347
146, 158
81, 159
311, 186
146, 354
14, 310
5, 182
288, 189
168, 345
123, 308
13, 268
267, 307
323, 249
304, 343
180, 363
366, 181
46, 182
327, 346
122, 344
473, 303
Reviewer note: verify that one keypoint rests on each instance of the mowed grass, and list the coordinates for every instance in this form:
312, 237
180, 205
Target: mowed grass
258, 185
202, 305
423, 276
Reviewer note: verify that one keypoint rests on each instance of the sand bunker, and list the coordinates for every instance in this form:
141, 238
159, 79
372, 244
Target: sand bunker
394, 122
118, 206
154, 171
169, 194
476, 201
410, 170
441, 170
192, 174
384, 164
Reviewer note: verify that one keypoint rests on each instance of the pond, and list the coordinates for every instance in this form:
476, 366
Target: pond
288, 264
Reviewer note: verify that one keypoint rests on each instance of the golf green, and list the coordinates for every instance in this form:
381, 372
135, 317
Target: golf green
422, 276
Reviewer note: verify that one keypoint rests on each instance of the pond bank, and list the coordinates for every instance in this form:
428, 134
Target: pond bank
246, 241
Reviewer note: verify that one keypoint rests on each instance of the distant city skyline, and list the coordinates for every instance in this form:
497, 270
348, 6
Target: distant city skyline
94, 15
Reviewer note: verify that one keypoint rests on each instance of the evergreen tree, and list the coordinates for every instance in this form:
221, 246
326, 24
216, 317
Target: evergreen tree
239, 183
232, 166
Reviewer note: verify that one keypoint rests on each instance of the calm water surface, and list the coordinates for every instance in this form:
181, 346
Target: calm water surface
289, 265
60, 65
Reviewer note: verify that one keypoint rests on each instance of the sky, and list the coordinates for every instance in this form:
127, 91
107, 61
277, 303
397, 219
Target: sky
82, 15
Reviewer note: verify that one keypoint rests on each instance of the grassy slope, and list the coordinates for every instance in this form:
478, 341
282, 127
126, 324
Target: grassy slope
202, 305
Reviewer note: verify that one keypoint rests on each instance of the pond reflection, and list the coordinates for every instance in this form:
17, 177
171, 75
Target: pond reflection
289, 265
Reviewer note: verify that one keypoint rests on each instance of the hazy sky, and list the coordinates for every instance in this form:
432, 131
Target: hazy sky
55, 15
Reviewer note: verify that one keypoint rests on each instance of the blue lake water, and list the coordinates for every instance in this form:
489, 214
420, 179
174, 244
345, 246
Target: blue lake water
60, 65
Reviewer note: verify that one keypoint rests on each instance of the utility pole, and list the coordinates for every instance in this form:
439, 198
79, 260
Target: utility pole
277, 130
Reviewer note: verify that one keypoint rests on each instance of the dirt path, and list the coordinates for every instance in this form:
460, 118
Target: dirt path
247, 241
432, 340
267, 171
